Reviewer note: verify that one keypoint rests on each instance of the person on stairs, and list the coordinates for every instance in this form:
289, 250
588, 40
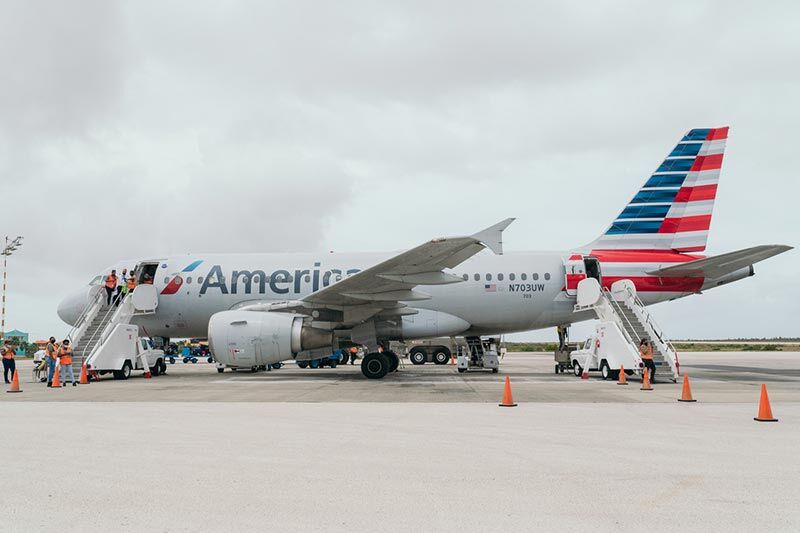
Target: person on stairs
9, 365
130, 283
111, 286
121, 282
65, 353
646, 353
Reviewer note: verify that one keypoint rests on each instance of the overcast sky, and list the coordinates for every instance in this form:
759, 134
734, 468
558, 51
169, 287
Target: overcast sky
147, 128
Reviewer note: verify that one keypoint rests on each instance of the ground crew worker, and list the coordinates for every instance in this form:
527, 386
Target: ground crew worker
646, 353
9, 365
111, 286
131, 283
52, 355
65, 354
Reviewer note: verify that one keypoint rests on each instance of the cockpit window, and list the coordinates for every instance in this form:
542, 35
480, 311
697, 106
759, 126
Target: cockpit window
96, 281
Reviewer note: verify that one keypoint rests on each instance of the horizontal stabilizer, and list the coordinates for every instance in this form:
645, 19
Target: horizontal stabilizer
720, 265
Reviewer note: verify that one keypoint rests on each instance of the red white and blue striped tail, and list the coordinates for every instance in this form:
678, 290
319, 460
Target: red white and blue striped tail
672, 211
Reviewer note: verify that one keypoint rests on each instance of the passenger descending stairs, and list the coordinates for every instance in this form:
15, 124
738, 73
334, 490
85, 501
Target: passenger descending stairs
639, 324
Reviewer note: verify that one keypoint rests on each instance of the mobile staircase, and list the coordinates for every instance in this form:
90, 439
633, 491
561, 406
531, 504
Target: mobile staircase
104, 331
622, 306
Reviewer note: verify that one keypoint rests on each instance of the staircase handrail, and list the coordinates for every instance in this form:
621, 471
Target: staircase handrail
620, 316
648, 319
100, 333
83, 317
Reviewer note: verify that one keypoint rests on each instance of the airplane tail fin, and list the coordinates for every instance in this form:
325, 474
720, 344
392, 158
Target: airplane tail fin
672, 211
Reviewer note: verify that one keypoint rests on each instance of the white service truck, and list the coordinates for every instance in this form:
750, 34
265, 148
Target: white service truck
607, 350
124, 351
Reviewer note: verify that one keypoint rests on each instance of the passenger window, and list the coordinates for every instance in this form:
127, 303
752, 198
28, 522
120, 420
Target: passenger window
500, 277
523, 276
535, 277
199, 279
488, 277
189, 279
308, 279
512, 276
166, 280
465, 276
477, 277
547, 276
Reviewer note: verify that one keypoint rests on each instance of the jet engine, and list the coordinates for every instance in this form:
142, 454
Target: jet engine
252, 338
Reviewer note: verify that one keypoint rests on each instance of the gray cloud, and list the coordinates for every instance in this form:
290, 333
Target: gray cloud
140, 129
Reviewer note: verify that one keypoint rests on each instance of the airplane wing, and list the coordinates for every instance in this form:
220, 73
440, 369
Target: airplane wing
720, 265
382, 288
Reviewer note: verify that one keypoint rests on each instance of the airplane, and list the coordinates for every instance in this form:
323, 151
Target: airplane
263, 308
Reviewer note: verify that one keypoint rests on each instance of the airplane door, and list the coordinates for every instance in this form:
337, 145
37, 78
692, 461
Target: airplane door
575, 272
592, 268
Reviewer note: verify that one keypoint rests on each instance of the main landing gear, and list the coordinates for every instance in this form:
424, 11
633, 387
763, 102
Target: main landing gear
375, 365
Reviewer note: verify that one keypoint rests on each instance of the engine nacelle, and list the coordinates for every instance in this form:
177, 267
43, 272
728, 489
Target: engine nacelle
252, 338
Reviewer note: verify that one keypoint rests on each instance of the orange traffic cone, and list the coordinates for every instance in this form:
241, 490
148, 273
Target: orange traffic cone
14, 383
585, 374
764, 409
508, 400
56, 380
622, 379
686, 393
646, 381
84, 376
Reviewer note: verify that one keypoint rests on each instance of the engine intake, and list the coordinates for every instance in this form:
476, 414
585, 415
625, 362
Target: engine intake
251, 338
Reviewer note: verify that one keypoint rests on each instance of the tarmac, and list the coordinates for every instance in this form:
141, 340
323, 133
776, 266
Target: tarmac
425, 449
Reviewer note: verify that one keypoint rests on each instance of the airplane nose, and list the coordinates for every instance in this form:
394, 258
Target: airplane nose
71, 307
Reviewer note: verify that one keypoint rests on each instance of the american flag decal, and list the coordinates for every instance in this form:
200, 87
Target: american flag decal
490, 287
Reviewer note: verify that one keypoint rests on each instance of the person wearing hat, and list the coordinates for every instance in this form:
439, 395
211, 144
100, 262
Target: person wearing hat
52, 356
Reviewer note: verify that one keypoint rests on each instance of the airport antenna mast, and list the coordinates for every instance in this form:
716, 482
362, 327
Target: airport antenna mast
10, 248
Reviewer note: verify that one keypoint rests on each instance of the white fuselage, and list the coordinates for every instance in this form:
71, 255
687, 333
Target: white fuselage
501, 293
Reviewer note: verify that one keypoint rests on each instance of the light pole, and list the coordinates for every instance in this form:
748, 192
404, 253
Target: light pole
11, 247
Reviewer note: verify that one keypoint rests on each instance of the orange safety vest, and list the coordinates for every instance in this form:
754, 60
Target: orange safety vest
131, 284
66, 355
8, 353
111, 281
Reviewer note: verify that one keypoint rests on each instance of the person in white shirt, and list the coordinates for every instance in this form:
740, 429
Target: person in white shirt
122, 281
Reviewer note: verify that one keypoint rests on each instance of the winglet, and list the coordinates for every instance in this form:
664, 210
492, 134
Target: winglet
492, 237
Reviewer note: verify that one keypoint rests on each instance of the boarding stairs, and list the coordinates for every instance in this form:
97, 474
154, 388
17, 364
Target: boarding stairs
99, 320
622, 305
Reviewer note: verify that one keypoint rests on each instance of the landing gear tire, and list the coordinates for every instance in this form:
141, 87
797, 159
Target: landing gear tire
462, 370
576, 369
375, 365
605, 371
394, 361
441, 356
220, 370
418, 356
